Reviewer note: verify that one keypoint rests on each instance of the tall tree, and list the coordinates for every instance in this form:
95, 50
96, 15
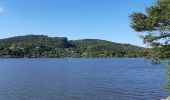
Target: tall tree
154, 24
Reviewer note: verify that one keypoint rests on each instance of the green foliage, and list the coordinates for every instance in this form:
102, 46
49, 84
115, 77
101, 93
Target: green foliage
43, 46
155, 25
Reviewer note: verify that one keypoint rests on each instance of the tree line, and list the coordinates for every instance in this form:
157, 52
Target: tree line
33, 46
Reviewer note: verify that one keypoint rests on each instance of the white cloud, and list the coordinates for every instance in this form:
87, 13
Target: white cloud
1, 9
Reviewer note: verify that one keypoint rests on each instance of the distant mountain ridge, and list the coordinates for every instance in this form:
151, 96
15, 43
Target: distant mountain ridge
44, 46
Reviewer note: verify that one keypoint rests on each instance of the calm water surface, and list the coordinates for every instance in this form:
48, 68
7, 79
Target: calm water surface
81, 79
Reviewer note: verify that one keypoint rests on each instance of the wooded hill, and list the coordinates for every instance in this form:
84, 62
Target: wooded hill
44, 46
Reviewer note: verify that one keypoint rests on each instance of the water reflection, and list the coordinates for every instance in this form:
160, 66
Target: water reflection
85, 79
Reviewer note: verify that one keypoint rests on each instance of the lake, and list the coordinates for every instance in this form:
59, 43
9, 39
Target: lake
81, 79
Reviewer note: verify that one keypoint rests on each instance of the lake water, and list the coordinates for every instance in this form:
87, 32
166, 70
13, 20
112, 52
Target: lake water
81, 79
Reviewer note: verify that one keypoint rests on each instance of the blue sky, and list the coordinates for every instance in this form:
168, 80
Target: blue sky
75, 19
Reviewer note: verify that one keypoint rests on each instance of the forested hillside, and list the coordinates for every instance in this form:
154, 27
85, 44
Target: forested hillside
43, 46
